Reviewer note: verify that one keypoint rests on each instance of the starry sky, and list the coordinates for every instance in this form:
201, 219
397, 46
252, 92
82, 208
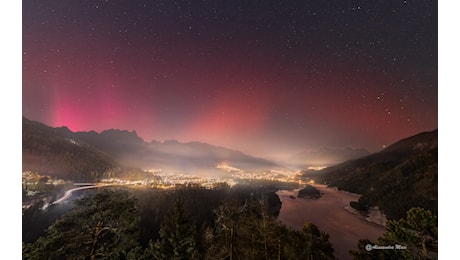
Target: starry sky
264, 77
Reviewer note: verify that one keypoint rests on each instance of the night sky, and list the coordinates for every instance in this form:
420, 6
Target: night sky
263, 77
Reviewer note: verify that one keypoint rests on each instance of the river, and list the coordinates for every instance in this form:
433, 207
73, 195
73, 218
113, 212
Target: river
329, 214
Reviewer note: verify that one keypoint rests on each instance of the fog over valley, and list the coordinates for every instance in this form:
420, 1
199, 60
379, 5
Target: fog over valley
229, 129
61, 167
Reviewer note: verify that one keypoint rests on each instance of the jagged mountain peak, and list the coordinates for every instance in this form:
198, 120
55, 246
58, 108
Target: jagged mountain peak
127, 148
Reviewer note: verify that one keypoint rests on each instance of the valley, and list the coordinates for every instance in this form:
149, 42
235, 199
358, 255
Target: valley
63, 169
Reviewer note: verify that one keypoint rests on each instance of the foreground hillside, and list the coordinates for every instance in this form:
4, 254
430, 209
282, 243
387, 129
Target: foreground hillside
184, 223
403, 176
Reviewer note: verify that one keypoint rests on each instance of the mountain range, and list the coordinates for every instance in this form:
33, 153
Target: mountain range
402, 176
172, 155
88, 155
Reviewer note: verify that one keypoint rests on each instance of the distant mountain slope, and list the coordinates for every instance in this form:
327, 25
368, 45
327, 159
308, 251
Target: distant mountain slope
402, 176
120, 144
193, 157
63, 152
52, 151
326, 156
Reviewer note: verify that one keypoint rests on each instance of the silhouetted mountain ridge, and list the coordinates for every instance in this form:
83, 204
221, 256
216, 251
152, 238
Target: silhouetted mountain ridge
55, 152
191, 157
114, 147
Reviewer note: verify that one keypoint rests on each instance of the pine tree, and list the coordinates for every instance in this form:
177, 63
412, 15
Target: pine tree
413, 237
247, 232
223, 241
103, 226
178, 237
309, 243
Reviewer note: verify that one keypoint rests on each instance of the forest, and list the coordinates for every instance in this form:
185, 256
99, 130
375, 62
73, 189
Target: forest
191, 222
186, 223
403, 176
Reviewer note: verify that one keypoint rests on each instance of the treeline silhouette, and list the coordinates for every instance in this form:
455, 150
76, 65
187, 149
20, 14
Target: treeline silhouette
187, 223
195, 223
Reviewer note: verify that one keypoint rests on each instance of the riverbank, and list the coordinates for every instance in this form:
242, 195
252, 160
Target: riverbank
330, 215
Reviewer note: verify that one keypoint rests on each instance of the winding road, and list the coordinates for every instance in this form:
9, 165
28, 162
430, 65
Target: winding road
68, 193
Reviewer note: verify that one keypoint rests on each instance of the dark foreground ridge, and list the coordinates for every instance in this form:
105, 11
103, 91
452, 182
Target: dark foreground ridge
403, 176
